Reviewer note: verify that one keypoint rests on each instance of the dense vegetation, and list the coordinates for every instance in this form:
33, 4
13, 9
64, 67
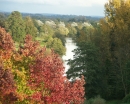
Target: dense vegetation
103, 54
32, 74
31, 67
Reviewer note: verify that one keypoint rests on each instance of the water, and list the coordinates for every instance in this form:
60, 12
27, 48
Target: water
70, 46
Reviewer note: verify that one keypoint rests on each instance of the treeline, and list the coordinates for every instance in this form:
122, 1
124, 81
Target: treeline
50, 33
55, 17
103, 54
46, 33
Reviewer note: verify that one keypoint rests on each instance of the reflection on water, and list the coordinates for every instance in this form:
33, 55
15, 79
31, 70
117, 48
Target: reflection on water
70, 46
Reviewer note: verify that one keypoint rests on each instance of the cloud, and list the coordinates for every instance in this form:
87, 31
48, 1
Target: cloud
79, 3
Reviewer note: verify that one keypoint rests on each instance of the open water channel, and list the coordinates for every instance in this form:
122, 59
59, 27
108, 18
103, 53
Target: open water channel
70, 46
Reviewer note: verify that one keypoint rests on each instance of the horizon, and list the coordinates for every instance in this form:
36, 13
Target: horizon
58, 7
1, 11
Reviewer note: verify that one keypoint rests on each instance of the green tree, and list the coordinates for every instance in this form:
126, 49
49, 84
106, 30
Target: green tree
55, 44
87, 62
2, 20
46, 30
85, 34
61, 37
72, 30
112, 38
16, 26
30, 28
58, 47
62, 29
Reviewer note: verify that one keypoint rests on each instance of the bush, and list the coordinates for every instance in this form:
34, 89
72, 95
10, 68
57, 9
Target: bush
96, 100
126, 99
99, 100
89, 101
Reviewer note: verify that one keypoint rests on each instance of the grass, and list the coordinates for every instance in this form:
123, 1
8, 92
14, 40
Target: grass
40, 40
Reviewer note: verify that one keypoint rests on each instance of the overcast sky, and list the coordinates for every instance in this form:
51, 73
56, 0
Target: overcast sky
70, 7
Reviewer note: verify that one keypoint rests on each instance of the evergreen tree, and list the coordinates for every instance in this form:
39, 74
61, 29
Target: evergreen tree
30, 28
87, 62
2, 20
16, 26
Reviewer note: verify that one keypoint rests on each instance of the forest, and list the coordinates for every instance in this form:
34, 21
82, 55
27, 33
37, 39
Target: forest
31, 50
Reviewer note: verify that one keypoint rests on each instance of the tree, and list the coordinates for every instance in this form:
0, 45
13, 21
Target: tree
2, 20
117, 22
16, 26
72, 29
55, 44
61, 37
85, 34
112, 38
87, 62
53, 87
62, 29
8, 92
46, 30
29, 27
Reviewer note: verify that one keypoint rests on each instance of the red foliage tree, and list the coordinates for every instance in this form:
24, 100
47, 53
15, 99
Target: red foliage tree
46, 77
6, 44
7, 85
74, 91
30, 47
8, 93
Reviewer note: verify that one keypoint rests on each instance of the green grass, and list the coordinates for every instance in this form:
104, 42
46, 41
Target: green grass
40, 40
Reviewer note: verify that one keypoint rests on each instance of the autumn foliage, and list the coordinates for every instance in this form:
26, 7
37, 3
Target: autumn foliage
34, 75
7, 84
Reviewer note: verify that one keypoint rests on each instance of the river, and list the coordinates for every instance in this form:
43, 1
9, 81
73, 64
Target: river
70, 46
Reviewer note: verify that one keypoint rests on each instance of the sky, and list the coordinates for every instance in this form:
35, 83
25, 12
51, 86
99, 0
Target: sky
67, 7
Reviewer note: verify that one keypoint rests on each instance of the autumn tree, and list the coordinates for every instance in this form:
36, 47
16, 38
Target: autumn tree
7, 87
53, 87
7, 84
85, 34
112, 37
117, 32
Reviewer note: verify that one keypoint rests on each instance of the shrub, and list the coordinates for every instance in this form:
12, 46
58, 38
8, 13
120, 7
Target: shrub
99, 100
126, 99
96, 100
89, 101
